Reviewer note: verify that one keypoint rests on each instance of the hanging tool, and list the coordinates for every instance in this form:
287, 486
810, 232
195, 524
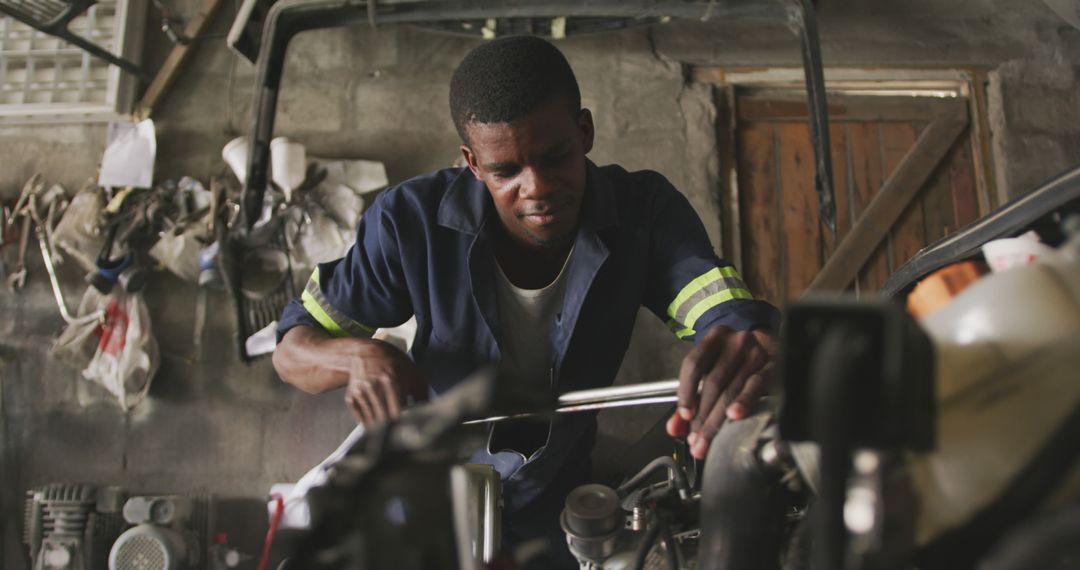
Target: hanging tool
17, 280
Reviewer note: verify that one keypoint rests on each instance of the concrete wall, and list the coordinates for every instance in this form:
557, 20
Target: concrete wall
214, 424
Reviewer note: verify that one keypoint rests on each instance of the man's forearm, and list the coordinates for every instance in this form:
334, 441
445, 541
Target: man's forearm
313, 361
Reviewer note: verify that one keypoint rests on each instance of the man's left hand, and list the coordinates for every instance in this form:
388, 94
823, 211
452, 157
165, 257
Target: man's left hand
731, 368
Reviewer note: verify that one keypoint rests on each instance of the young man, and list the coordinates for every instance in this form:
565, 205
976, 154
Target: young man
537, 259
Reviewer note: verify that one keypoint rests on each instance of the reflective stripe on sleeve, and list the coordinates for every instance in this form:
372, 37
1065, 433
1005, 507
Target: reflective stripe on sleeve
330, 318
712, 288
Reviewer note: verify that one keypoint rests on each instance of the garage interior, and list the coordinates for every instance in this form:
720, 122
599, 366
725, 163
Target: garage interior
716, 104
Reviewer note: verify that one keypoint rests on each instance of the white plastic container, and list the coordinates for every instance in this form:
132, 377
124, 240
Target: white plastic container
235, 154
1008, 377
288, 164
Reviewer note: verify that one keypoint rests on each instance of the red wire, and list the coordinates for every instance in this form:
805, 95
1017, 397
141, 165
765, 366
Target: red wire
279, 511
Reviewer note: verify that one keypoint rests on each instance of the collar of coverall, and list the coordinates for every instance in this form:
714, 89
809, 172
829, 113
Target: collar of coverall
466, 205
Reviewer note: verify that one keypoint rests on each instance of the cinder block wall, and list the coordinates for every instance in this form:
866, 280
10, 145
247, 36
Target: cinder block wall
214, 424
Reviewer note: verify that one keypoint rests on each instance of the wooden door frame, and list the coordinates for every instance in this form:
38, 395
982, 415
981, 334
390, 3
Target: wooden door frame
728, 82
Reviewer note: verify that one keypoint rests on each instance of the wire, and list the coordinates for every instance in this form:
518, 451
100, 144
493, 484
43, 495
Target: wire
279, 511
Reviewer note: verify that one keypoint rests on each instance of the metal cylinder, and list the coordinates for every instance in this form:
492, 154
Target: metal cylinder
592, 521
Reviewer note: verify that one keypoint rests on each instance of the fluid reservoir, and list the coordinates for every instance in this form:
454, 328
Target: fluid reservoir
1008, 355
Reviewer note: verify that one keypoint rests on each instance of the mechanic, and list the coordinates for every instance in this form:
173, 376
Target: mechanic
535, 258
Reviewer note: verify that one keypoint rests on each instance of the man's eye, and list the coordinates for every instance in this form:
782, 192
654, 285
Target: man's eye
558, 158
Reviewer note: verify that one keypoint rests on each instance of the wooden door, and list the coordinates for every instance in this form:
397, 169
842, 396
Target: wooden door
783, 244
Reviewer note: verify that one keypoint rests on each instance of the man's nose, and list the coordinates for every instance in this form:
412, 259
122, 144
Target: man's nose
535, 185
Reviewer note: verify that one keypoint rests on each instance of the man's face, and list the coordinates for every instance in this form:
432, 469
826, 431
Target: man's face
534, 168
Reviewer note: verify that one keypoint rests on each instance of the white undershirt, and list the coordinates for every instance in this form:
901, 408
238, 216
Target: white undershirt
526, 317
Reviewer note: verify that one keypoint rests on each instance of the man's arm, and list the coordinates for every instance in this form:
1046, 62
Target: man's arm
376, 375
314, 361
324, 336
703, 299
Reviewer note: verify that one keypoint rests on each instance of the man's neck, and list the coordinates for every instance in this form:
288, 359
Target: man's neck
530, 267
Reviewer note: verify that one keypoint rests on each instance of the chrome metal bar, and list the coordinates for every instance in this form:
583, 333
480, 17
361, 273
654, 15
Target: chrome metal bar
615, 393
645, 394
648, 401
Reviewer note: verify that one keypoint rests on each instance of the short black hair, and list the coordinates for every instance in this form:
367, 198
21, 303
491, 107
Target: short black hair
506, 79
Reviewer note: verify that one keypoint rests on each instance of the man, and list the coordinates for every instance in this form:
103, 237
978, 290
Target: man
537, 259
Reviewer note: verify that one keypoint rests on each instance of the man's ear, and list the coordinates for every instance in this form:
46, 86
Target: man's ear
585, 123
470, 160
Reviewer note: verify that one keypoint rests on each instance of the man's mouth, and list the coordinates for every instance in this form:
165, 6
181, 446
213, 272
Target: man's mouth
545, 216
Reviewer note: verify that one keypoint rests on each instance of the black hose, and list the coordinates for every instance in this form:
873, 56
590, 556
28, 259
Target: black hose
834, 370
740, 513
663, 461
671, 548
646, 544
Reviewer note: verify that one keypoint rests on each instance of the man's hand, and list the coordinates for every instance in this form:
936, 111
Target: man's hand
376, 375
731, 368
380, 377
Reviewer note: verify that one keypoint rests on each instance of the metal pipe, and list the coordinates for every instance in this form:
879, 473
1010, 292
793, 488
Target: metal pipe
614, 393
58, 294
643, 394
290, 17
803, 22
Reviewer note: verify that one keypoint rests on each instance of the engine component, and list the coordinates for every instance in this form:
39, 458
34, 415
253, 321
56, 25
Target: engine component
742, 504
70, 526
386, 503
615, 529
857, 376
592, 520
477, 502
150, 547
1008, 345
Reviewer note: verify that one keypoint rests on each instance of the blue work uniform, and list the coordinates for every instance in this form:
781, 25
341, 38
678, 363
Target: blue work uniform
425, 248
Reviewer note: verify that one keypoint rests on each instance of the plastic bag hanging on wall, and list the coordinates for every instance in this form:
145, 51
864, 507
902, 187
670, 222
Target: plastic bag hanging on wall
119, 351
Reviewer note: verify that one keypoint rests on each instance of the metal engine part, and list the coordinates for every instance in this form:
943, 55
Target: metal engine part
70, 526
150, 547
642, 524
170, 532
476, 491
159, 510
592, 521
386, 503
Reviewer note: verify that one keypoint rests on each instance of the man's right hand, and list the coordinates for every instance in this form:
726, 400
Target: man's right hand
380, 378
376, 375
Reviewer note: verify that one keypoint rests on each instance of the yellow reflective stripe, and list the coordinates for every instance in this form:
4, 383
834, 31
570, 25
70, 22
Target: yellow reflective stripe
700, 282
323, 312
712, 301
315, 310
679, 330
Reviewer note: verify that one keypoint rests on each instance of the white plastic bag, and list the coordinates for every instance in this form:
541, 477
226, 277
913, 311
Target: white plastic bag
77, 232
179, 253
76, 346
119, 351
